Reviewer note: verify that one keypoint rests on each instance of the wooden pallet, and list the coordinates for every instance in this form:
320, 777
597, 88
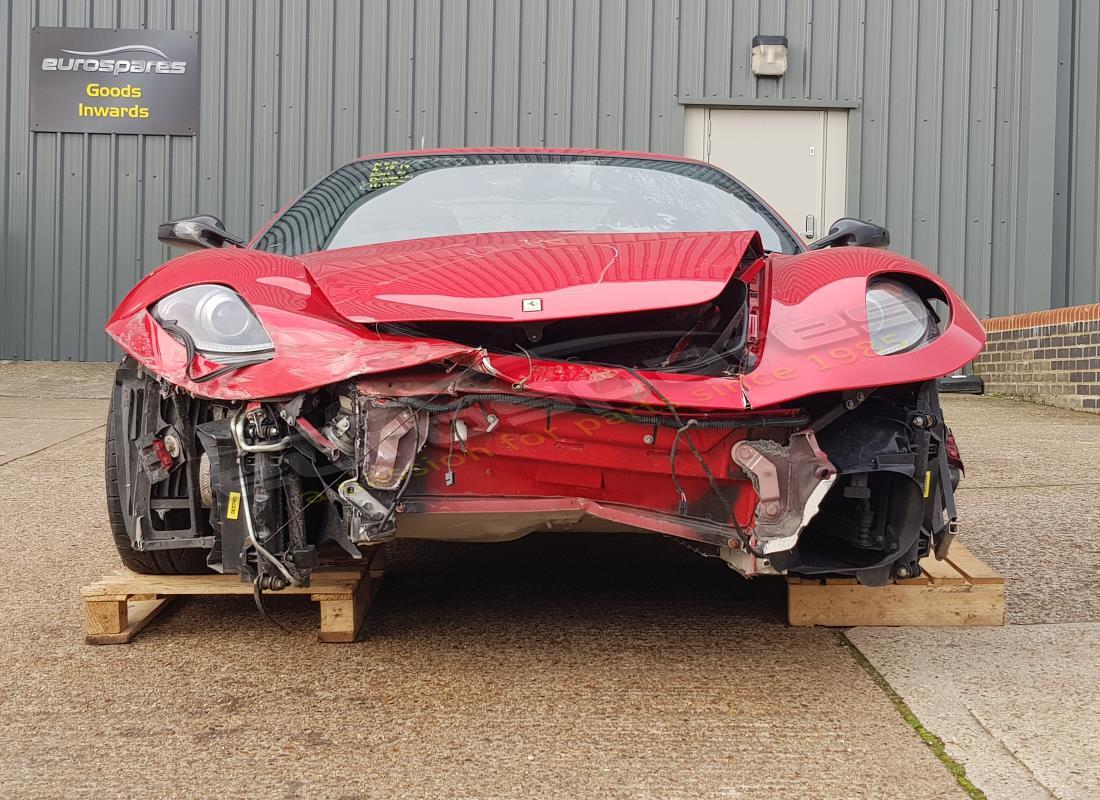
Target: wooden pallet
119, 606
961, 590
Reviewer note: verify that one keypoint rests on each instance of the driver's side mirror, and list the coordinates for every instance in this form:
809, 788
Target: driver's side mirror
851, 232
197, 233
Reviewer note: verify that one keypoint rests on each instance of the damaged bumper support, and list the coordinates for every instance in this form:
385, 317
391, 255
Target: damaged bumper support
790, 483
455, 453
281, 486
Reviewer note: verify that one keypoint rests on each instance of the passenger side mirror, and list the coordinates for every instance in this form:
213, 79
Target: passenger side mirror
197, 233
851, 232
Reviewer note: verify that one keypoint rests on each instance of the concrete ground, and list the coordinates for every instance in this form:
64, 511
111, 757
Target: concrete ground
42, 405
1018, 706
550, 667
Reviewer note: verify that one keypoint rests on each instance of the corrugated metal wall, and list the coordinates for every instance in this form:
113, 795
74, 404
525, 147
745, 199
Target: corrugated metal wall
953, 142
1077, 176
975, 146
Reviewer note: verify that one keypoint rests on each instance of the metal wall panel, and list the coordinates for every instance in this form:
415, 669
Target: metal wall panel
291, 89
973, 135
1077, 220
958, 143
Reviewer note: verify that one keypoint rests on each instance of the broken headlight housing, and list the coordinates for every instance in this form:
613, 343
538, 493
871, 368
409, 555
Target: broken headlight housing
898, 319
215, 318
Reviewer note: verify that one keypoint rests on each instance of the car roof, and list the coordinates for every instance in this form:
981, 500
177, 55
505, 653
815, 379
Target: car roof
560, 151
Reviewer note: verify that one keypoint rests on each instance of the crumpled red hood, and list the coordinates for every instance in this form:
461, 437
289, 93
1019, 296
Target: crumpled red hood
527, 276
814, 322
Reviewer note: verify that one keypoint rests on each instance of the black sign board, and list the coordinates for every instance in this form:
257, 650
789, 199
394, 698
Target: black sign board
97, 80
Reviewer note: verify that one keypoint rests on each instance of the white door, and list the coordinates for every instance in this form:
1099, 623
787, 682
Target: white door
795, 159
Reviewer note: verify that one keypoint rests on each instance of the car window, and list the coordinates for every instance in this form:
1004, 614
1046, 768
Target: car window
388, 200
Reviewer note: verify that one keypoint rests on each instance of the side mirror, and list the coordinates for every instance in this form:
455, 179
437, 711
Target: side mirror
197, 233
851, 232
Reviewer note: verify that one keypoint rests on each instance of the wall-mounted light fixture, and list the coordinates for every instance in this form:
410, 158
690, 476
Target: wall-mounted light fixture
769, 55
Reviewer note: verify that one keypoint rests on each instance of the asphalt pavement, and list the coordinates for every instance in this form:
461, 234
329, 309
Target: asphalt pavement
555, 666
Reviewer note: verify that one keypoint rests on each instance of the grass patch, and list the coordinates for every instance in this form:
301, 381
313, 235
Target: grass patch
934, 742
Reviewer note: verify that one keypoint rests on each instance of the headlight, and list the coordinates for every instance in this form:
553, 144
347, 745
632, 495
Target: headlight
216, 319
897, 318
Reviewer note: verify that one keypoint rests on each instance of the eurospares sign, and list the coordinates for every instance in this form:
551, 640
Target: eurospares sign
97, 80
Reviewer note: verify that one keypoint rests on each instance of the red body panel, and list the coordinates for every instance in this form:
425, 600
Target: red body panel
601, 458
486, 277
814, 340
314, 346
815, 336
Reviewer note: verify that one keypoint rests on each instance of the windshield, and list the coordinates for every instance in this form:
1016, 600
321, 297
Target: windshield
395, 199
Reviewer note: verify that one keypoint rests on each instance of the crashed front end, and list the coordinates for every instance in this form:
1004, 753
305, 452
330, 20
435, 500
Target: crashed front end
776, 457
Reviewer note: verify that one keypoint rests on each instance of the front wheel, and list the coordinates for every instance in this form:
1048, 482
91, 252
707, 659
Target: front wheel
189, 561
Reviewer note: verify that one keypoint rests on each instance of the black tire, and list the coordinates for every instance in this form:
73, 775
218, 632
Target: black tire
189, 561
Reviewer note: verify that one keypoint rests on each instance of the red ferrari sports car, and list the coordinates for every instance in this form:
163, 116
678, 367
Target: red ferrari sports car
471, 345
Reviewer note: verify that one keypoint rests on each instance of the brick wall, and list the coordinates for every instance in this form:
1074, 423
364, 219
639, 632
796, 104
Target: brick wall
1051, 357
